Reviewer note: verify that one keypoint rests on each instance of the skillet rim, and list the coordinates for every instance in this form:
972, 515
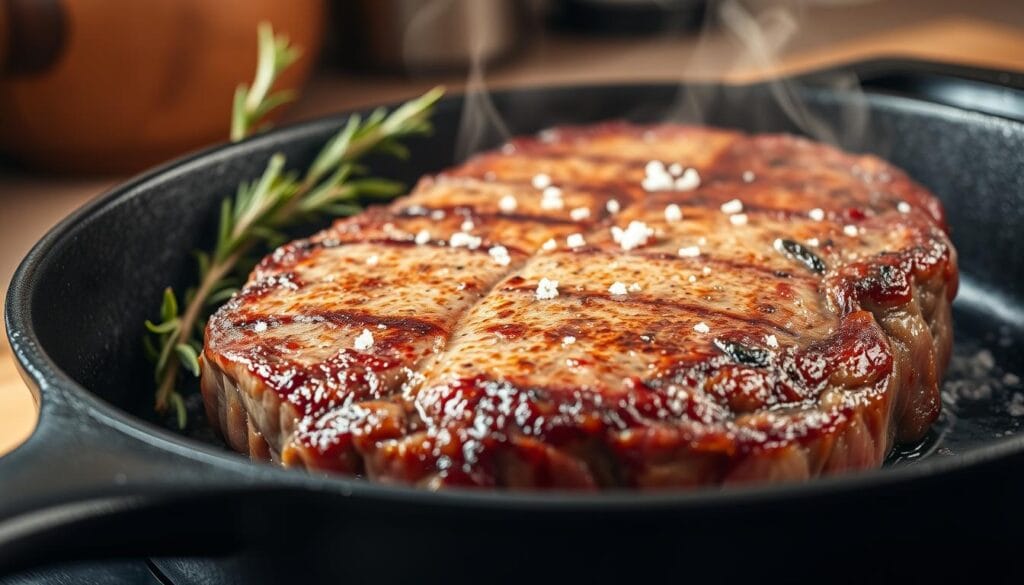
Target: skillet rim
46, 380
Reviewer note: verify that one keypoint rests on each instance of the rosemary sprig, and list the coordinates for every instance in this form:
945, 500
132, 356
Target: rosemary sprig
252, 104
260, 210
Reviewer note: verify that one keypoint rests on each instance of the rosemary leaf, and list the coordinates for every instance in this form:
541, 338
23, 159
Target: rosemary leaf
377, 188
224, 230
152, 354
202, 262
252, 104
189, 358
179, 408
280, 98
330, 155
341, 209
169, 308
164, 357
164, 327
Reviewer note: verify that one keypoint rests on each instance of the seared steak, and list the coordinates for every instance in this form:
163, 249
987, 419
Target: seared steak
606, 306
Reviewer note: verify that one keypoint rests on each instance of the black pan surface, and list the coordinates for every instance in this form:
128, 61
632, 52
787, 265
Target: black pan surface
98, 477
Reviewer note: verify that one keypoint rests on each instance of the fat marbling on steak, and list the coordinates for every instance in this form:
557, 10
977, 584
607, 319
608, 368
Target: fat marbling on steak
603, 306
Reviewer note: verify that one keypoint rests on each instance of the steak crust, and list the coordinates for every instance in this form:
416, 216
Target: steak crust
787, 317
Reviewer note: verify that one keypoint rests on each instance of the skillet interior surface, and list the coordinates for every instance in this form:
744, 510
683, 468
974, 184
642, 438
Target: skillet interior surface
77, 304
103, 276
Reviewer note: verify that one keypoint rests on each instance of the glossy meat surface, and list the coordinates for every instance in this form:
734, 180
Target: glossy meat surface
595, 307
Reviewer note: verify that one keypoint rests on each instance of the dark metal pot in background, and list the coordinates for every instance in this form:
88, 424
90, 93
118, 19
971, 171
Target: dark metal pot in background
416, 36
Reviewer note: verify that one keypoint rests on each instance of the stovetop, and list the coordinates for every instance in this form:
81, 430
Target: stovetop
122, 572
162, 571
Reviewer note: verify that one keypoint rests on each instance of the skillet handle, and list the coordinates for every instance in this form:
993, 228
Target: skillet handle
987, 91
87, 486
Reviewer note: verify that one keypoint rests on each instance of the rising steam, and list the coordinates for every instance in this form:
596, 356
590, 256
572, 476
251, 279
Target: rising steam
750, 36
480, 125
764, 35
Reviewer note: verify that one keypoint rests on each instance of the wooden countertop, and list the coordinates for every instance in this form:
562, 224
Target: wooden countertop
992, 35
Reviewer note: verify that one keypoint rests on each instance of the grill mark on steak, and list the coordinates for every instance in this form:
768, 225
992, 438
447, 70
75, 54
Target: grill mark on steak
590, 390
343, 317
308, 248
705, 260
509, 216
638, 299
625, 193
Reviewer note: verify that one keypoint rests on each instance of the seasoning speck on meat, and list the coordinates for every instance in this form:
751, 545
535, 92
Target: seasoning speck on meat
547, 289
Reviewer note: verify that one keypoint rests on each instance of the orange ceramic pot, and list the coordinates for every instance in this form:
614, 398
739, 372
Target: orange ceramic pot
136, 83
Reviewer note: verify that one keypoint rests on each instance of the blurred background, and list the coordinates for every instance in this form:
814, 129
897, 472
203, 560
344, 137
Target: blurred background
93, 91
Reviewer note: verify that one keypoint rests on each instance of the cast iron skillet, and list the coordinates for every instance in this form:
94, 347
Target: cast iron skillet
97, 479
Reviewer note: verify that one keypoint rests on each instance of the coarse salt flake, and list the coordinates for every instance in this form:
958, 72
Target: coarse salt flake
546, 289
675, 169
541, 181
701, 327
618, 289
568, 340
689, 180
653, 183
903, 207
613, 206
654, 167
464, 240
748, 176
575, 241
817, 214
551, 198
635, 287
260, 327
422, 237
732, 206
738, 219
771, 341
364, 341
508, 204
500, 255
373, 260
549, 245
634, 236
673, 213
658, 178
689, 251
850, 230
467, 225
580, 213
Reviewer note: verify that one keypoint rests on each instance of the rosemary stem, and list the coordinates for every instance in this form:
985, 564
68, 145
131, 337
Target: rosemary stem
217, 271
